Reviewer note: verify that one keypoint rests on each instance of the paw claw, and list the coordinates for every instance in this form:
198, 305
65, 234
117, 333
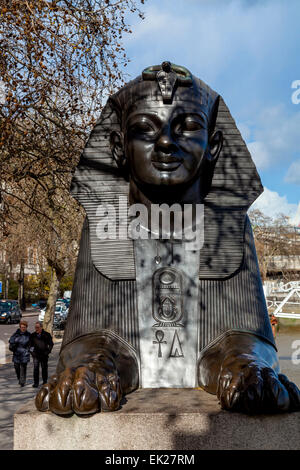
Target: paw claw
85, 393
84, 390
61, 396
252, 387
42, 398
110, 392
293, 390
43, 395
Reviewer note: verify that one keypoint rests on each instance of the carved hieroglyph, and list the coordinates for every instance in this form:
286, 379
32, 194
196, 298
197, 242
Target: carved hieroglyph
167, 288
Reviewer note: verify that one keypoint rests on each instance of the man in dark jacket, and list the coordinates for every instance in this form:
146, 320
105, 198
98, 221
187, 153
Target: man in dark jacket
41, 345
19, 344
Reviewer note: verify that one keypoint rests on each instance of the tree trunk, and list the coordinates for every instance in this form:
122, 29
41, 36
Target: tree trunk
7, 279
50, 309
6, 285
21, 293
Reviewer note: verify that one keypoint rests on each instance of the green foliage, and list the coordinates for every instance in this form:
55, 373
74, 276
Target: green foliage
13, 290
66, 283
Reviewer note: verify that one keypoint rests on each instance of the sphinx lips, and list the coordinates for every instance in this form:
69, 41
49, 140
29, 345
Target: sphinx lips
166, 164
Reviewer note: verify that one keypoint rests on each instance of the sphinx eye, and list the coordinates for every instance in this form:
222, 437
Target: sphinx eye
188, 124
142, 126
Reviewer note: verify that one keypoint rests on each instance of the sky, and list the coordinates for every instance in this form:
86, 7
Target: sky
248, 51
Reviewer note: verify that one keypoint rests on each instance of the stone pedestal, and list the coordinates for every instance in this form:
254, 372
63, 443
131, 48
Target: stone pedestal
157, 419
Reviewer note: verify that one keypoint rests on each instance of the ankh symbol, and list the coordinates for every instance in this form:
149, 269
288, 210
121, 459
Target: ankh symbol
159, 336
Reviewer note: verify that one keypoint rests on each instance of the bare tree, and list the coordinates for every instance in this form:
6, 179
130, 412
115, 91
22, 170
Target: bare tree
273, 238
59, 60
14, 255
58, 238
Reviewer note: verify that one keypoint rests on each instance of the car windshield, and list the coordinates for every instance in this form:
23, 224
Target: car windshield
5, 306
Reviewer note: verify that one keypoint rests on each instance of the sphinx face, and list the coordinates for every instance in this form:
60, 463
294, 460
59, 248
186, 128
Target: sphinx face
165, 144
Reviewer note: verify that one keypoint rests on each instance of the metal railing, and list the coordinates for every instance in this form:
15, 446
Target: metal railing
289, 306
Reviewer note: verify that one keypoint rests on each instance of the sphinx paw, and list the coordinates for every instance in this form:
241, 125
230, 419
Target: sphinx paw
83, 390
250, 386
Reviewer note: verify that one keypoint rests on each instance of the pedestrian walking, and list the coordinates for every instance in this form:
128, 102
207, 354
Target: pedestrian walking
274, 324
41, 345
19, 344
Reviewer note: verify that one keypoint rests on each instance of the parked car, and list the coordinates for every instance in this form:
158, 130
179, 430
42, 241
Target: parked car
67, 294
41, 304
58, 322
10, 311
65, 314
66, 302
60, 309
42, 315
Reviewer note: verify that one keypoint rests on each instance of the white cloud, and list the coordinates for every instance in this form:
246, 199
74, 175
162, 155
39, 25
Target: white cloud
208, 37
237, 47
276, 137
260, 154
293, 173
272, 205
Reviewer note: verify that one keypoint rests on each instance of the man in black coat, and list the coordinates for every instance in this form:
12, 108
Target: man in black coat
41, 345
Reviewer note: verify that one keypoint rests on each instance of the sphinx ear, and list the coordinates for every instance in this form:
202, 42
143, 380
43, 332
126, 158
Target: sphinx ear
215, 145
117, 149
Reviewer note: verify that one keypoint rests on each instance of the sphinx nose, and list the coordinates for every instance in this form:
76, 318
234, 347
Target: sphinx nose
165, 143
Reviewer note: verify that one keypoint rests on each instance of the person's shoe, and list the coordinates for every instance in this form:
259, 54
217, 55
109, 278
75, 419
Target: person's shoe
22, 385
35, 385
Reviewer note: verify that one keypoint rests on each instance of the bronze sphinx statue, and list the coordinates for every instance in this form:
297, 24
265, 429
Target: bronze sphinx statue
151, 312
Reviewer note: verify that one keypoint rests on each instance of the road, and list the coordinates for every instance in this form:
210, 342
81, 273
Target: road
12, 397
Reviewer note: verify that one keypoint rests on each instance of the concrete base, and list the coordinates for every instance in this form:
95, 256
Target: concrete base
157, 419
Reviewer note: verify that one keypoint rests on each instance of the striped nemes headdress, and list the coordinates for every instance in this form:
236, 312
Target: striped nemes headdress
235, 184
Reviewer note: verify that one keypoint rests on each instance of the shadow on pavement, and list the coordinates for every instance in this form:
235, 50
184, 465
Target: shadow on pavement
12, 396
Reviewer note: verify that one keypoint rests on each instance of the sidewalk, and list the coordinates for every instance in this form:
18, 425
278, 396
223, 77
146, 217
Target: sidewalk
12, 396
